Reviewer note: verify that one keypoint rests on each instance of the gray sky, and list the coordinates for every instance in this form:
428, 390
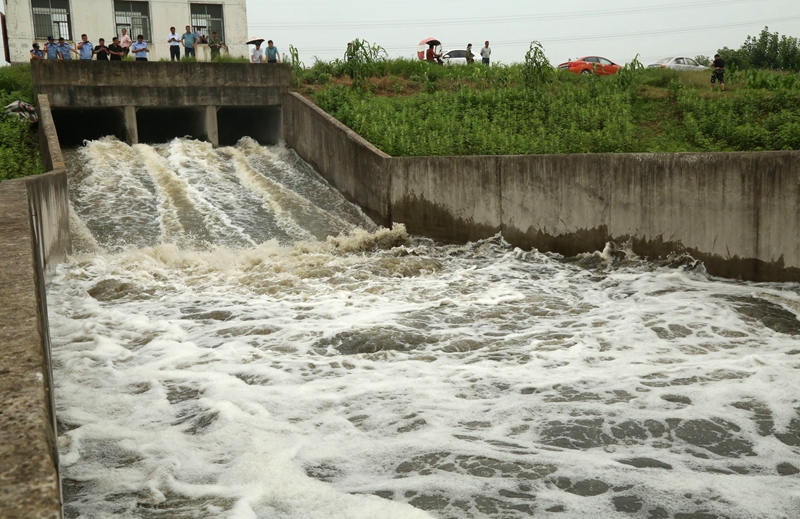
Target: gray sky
615, 29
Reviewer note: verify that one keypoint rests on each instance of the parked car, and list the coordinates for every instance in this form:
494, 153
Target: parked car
458, 57
591, 65
678, 63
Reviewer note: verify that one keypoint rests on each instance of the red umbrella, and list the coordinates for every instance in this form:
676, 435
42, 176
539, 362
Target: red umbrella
423, 45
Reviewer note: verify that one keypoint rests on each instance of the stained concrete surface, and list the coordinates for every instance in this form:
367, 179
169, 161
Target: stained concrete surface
29, 485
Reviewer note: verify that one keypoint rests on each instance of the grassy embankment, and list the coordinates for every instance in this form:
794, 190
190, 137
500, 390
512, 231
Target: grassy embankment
409, 107
19, 150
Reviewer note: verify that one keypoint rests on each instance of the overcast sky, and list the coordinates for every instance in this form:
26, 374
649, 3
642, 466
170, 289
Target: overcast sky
615, 29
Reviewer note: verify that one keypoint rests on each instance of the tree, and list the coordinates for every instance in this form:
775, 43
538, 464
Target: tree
703, 60
767, 50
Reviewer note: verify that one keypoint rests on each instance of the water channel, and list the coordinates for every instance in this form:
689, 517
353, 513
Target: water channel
233, 339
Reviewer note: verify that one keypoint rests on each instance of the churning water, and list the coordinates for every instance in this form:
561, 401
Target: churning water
233, 339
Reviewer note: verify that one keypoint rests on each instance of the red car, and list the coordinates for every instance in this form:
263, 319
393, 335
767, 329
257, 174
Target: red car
591, 65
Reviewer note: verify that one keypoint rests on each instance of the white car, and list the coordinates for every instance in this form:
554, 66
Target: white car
458, 57
678, 63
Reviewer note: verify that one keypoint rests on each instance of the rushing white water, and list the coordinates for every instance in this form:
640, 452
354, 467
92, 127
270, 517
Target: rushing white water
232, 339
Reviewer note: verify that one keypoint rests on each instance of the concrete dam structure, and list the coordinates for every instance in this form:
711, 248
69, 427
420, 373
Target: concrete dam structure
219, 103
737, 212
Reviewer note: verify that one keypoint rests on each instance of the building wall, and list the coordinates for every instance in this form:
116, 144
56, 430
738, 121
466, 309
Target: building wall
95, 18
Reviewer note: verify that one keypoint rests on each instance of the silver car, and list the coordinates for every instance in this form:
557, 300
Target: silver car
678, 63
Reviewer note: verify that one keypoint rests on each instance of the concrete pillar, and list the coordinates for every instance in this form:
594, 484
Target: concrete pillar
131, 128
212, 130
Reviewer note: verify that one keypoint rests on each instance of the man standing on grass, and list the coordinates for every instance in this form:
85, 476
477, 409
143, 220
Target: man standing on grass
187, 40
719, 72
174, 45
214, 45
485, 53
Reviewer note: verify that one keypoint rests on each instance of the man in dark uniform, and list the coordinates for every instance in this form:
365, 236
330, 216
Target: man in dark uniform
719, 72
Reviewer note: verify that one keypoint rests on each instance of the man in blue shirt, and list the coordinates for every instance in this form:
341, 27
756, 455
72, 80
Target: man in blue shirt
85, 47
36, 52
140, 48
187, 40
64, 50
50, 48
272, 54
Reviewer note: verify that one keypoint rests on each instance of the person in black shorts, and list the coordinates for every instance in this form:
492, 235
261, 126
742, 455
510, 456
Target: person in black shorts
719, 72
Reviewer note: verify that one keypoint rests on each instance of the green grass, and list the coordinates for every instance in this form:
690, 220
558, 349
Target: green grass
19, 150
412, 108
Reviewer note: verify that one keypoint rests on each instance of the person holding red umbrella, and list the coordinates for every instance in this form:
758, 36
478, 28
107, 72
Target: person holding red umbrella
431, 55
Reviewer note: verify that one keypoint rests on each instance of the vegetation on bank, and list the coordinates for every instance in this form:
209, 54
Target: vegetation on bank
410, 107
19, 149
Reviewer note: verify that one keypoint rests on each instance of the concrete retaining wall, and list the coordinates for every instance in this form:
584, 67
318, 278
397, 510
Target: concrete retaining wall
737, 212
34, 237
351, 164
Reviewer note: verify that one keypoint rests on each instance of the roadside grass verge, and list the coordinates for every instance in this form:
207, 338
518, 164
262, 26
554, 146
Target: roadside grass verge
410, 107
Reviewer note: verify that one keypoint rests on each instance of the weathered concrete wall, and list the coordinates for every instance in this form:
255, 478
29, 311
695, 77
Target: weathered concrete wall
34, 237
351, 164
76, 84
49, 148
737, 212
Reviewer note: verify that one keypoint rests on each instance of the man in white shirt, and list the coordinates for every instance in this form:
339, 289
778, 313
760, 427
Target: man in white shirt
485, 53
257, 54
174, 41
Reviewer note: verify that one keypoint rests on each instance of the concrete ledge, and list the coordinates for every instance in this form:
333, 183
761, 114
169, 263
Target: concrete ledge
34, 237
77, 83
49, 148
29, 478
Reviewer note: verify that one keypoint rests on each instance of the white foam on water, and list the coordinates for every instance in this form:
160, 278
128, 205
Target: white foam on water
308, 379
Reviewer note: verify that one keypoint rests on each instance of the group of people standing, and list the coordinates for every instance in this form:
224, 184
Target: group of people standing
433, 56
85, 50
188, 40
270, 54
121, 46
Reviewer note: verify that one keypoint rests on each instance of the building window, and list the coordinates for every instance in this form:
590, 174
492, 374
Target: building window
50, 18
208, 18
133, 16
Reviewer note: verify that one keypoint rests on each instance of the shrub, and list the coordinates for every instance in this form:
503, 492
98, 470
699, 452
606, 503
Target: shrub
19, 152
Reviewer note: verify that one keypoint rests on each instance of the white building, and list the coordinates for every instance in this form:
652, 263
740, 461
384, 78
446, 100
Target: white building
34, 20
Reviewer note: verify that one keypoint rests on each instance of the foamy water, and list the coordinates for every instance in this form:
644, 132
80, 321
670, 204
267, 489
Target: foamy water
235, 340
